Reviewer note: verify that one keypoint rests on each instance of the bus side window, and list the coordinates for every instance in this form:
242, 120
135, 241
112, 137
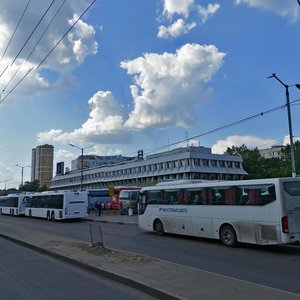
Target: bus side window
196, 200
268, 195
207, 196
244, 194
254, 197
194, 197
142, 202
154, 197
185, 197
180, 197
219, 196
230, 196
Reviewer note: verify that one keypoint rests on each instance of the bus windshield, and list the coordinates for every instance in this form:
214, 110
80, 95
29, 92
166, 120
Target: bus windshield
292, 188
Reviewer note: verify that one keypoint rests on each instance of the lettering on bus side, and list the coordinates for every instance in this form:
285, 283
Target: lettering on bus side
173, 209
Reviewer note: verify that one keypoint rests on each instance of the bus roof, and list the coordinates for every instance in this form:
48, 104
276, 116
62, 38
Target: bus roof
210, 183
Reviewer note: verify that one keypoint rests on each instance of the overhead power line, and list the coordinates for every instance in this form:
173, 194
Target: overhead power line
15, 30
36, 44
53, 48
221, 127
34, 29
66, 33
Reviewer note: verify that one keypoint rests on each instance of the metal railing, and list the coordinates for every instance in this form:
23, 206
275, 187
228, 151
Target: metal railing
96, 235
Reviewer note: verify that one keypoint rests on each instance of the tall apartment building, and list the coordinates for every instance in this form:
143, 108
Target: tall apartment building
42, 164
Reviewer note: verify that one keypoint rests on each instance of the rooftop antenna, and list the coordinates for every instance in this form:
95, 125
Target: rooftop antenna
186, 135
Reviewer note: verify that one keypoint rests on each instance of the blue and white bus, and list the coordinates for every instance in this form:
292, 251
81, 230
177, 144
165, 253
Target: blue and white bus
100, 196
13, 204
262, 211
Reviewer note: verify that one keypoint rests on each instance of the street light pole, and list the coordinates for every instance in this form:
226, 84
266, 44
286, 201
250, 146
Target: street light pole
22, 172
287, 94
81, 169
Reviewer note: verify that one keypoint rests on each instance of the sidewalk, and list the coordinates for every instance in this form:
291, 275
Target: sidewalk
113, 217
158, 278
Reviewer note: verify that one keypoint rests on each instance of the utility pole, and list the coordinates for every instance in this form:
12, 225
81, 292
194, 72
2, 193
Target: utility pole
288, 105
81, 169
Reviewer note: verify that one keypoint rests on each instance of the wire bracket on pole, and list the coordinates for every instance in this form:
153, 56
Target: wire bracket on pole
96, 235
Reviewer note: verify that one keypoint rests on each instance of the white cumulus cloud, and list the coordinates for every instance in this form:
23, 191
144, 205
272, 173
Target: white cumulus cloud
280, 7
82, 39
236, 140
286, 140
169, 87
105, 124
168, 90
208, 12
69, 54
176, 29
180, 7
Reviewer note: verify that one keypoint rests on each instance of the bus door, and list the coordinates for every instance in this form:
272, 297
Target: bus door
175, 215
23, 205
292, 201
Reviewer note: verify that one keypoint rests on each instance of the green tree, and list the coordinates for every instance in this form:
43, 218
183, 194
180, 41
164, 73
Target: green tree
286, 156
259, 167
253, 162
33, 186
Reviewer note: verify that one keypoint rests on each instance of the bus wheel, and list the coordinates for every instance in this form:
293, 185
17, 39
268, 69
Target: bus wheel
228, 236
52, 216
48, 216
158, 227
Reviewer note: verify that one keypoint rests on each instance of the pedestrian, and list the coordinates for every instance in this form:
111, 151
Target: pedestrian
99, 208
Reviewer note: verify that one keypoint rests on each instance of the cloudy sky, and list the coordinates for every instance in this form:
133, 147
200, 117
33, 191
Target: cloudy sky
148, 74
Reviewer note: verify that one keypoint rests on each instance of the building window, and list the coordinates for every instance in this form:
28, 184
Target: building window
205, 162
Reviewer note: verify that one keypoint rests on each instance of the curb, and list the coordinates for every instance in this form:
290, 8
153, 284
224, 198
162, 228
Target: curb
114, 222
110, 275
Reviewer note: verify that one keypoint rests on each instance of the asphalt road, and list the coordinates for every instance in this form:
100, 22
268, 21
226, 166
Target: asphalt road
28, 275
273, 266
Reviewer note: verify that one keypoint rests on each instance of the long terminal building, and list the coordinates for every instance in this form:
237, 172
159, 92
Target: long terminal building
187, 163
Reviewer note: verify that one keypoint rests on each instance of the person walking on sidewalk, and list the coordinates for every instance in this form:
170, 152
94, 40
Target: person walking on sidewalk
99, 208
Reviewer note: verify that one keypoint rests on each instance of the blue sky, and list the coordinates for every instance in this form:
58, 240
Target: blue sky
144, 74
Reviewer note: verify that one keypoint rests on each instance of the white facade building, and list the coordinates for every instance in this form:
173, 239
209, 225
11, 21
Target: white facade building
273, 152
179, 164
92, 161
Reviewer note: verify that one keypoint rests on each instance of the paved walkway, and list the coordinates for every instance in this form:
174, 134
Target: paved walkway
161, 279
113, 217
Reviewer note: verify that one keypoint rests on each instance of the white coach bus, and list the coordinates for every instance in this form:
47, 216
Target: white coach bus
263, 211
13, 204
57, 205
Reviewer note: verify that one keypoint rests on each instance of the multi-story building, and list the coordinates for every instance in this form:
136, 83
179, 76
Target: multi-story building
273, 152
179, 164
42, 164
92, 161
